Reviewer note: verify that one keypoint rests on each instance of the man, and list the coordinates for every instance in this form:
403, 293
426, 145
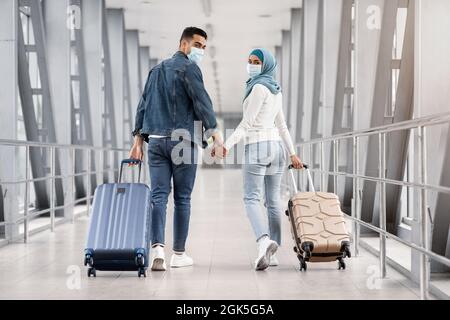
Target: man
174, 101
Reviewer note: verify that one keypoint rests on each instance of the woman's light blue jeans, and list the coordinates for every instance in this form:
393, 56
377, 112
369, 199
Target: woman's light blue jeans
263, 169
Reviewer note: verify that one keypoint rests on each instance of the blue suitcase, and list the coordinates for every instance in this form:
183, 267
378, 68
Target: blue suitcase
119, 231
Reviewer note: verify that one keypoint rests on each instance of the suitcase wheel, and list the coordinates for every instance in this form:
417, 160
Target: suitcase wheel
303, 266
341, 264
308, 248
140, 260
91, 272
346, 250
142, 272
347, 253
287, 213
308, 255
88, 260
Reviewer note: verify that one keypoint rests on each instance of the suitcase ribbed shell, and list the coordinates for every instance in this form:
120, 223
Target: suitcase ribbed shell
120, 217
317, 218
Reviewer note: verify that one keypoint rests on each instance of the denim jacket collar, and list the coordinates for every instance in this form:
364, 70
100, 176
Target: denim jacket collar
180, 54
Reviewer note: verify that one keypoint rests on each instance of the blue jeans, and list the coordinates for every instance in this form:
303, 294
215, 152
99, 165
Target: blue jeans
178, 161
263, 169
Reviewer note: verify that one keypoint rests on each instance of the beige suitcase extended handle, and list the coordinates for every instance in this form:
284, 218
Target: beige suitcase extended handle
308, 172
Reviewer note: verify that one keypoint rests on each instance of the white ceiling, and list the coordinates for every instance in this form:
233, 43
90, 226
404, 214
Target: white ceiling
237, 26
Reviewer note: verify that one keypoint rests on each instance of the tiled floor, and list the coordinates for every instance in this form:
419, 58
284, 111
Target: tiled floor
50, 266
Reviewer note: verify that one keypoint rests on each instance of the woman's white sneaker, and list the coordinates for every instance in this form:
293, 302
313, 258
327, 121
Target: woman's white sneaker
274, 261
158, 259
181, 261
266, 250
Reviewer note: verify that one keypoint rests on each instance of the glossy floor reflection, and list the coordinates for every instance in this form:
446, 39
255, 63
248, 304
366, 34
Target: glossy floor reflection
50, 266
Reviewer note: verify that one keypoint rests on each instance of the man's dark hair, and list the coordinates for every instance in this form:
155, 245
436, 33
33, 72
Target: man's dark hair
189, 33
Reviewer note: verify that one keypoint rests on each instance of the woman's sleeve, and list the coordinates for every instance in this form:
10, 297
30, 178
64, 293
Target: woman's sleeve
280, 122
255, 102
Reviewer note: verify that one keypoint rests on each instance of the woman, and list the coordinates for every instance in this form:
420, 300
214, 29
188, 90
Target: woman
264, 127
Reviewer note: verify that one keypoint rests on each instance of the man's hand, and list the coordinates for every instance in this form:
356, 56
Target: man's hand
136, 151
217, 138
296, 162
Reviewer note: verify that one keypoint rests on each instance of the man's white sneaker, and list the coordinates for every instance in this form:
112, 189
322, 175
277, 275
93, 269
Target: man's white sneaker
274, 261
181, 261
266, 250
158, 259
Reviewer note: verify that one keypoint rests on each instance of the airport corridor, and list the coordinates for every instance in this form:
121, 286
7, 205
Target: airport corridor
50, 265
355, 90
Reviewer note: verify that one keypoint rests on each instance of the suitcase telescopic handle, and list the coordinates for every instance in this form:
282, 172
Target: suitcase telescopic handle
133, 162
308, 172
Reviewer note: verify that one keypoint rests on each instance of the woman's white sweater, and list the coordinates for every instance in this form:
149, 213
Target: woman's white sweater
263, 120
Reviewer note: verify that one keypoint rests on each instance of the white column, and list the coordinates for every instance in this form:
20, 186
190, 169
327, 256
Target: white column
134, 71
116, 37
8, 110
311, 9
58, 52
286, 69
92, 27
332, 27
369, 13
295, 47
432, 80
144, 53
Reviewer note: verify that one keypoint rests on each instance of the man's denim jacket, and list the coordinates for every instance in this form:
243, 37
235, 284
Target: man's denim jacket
175, 100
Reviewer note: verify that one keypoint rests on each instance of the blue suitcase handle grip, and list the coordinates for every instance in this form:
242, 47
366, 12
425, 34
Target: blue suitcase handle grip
130, 161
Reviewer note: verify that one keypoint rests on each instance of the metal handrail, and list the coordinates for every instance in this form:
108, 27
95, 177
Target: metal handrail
18, 143
53, 147
419, 124
38, 213
416, 185
435, 256
58, 177
427, 121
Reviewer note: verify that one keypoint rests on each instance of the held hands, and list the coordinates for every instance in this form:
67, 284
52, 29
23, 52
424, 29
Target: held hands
296, 162
219, 151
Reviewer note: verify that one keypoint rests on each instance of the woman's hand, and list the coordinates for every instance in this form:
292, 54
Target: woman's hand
219, 151
296, 162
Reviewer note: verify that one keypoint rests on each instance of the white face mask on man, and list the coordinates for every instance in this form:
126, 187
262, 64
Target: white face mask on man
254, 70
196, 55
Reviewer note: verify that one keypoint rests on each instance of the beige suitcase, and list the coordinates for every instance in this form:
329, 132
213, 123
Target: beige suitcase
317, 226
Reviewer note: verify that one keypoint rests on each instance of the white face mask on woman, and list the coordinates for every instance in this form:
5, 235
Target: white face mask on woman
254, 70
